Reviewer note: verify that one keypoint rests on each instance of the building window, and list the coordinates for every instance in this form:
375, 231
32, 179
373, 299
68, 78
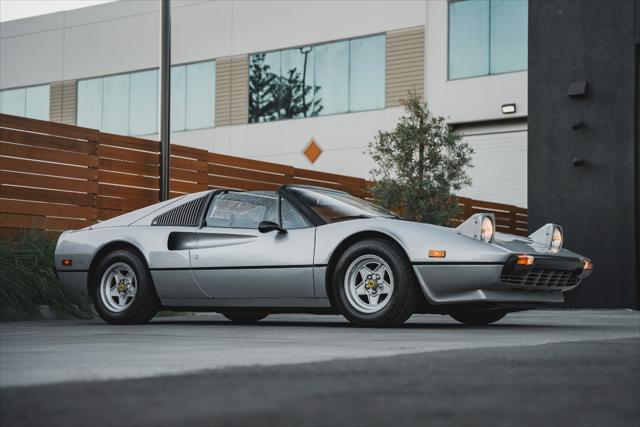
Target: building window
329, 78
127, 104
32, 102
193, 96
487, 37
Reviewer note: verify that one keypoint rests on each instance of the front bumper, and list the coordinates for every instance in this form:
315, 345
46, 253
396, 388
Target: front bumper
458, 283
74, 279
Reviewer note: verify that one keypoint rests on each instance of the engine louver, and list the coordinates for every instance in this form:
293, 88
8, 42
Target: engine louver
187, 214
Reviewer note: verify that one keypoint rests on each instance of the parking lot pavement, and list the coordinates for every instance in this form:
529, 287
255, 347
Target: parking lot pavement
48, 352
585, 383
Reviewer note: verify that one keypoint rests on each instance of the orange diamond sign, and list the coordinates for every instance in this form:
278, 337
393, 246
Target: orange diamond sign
312, 151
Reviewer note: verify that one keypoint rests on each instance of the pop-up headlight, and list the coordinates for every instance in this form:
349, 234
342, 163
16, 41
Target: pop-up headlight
549, 235
481, 226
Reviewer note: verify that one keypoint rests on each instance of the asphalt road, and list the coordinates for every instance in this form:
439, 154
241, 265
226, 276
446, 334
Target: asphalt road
533, 368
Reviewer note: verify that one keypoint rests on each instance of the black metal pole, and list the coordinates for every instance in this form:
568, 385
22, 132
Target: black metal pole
165, 103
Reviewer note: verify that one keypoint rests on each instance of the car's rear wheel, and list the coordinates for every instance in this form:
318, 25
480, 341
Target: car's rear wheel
373, 284
245, 318
122, 289
478, 318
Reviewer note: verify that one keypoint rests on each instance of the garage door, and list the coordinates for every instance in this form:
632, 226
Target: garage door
499, 170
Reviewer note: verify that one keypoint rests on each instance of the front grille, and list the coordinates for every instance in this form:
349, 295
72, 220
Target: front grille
543, 278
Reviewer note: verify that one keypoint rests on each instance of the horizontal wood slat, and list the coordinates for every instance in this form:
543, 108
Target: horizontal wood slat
39, 181
240, 184
128, 155
330, 177
187, 187
44, 195
184, 151
189, 175
248, 174
42, 222
129, 167
354, 191
108, 177
46, 141
55, 169
37, 153
129, 142
47, 209
128, 192
182, 163
242, 162
124, 205
51, 128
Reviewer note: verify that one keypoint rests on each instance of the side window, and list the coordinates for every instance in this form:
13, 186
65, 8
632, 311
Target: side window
291, 218
242, 210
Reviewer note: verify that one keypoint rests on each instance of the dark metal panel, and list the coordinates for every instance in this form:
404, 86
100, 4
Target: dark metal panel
592, 41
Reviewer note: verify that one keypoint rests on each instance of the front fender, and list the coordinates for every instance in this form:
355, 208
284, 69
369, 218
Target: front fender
415, 238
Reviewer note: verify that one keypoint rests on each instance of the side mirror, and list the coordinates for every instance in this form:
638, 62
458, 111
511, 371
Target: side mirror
267, 226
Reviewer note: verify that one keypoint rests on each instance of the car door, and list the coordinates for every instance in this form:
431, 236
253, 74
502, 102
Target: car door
235, 260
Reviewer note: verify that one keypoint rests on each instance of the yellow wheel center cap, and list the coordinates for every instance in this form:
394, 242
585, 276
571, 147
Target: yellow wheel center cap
371, 284
121, 287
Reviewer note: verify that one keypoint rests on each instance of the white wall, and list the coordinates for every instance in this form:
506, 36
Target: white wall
471, 99
124, 36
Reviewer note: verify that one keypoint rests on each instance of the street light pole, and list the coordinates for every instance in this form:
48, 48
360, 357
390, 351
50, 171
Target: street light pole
165, 91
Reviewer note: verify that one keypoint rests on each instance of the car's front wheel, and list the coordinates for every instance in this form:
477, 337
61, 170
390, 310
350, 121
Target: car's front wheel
122, 290
373, 284
478, 318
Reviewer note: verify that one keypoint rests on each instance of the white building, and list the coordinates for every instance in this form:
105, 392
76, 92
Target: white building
97, 67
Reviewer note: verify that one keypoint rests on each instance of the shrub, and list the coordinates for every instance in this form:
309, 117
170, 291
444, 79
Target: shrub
27, 280
421, 163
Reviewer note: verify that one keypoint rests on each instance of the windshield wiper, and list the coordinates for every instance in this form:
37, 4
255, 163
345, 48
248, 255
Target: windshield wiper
347, 217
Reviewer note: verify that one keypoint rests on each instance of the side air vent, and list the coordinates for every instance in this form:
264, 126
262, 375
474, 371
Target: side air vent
187, 214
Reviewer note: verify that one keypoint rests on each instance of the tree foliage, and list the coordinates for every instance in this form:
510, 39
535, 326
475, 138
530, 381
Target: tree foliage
421, 163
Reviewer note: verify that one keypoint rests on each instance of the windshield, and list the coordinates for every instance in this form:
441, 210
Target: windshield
334, 206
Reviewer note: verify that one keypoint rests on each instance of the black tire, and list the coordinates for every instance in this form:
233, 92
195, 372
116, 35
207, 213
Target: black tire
478, 318
245, 318
404, 297
146, 302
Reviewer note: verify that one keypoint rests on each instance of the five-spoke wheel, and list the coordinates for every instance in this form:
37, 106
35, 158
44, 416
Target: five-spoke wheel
373, 284
118, 287
121, 288
369, 283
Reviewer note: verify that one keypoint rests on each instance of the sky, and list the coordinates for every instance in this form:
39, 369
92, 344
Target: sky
17, 9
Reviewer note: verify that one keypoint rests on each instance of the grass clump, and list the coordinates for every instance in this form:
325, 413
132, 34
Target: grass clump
27, 280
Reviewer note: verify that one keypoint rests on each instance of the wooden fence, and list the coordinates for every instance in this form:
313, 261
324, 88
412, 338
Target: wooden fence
56, 177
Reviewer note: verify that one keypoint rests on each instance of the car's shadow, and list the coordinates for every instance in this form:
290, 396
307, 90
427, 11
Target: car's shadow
337, 325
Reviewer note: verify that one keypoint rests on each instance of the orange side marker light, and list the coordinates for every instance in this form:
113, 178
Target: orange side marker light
67, 262
437, 253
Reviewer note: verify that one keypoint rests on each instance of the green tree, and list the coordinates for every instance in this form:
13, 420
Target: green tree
421, 163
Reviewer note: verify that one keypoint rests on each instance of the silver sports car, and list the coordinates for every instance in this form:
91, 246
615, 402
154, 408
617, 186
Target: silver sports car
247, 254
